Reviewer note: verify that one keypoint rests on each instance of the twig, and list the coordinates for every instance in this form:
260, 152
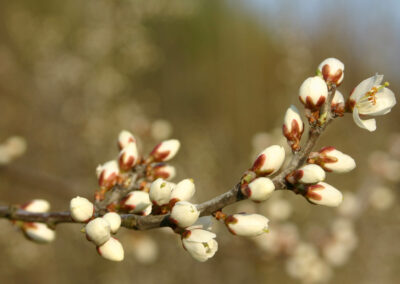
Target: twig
136, 222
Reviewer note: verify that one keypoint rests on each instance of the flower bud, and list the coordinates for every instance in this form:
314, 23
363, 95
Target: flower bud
260, 189
108, 174
36, 206
114, 220
269, 161
81, 209
313, 92
39, 232
332, 70
333, 160
136, 202
200, 244
164, 171
160, 192
338, 103
183, 191
293, 127
324, 194
128, 157
98, 231
147, 211
166, 150
184, 214
111, 250
307, 174
247, 225
125, 138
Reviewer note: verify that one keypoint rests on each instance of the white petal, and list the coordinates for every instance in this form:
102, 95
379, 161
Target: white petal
198, 235
365, 86
369, 124
385, 100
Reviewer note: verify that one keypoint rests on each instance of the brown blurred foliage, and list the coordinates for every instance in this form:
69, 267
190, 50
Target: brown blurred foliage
75, 73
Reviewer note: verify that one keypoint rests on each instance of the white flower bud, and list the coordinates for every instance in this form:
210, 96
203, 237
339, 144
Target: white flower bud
200, 244
313, 92
114, 220
128, 157
166, 150
260, 189
324, 194
36, 206
332, 70
147, 211
293, 120
184, 214
39, 232
293, 127
310, 174
124, 138
183, 191
247, 225
136, 201
164, 171
81, 209
98, 231
108, 174
160, 192
338, 98
333, 160
269, 161
111, 250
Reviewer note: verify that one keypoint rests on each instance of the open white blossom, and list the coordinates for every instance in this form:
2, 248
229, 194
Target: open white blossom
200, 244
372, 99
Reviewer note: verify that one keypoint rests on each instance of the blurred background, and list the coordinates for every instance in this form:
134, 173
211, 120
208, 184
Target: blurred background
219, 76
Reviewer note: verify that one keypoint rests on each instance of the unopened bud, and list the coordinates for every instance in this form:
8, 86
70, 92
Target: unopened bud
307, 174
136, 202
108, 174
183, 191
128, 157
293, 127
247, 225
111, 250
114, 220
164, 171
37, 206
184, 214
260, 189
160, 192
98, 231
333, 160
39, 232
332, 70
166, 150
125, 138
313, 92
81, 209
338, 104
324, 194
269, 161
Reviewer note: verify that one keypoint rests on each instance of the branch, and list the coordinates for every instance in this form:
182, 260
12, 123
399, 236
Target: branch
136, 222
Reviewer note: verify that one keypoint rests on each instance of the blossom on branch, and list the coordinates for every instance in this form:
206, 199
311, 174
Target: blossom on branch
165, 151
332, 160
370, 98
98, 231
111, 250
332, 70
269, 161
247, 225
81, 209
184, 214
259, 189
200, 244
324, 194
313, 92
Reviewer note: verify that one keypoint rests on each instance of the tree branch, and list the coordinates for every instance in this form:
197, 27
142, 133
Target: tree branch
136, 222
